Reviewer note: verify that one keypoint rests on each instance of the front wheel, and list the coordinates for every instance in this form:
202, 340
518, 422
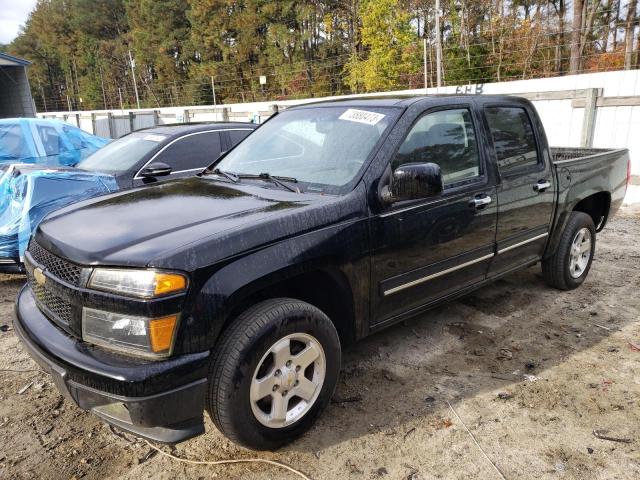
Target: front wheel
568, 267
273, 373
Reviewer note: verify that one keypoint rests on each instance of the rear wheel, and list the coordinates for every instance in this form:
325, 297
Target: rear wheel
568, 267
273, 373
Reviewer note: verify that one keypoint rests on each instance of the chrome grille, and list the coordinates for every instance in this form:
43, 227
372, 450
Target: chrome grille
56, 266
51, 302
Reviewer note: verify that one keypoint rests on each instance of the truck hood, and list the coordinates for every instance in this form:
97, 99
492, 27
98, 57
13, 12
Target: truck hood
199, 220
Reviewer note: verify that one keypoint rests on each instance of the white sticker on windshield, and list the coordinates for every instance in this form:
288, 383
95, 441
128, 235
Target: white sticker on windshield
361, 116
154, 138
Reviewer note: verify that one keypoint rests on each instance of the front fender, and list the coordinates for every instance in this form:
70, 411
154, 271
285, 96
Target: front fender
342, 248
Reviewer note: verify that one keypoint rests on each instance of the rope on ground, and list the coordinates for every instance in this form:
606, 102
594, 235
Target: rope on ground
476, 442
19, 371
228, 462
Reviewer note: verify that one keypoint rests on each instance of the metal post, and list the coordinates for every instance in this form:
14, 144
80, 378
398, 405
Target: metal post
110, 124
438, 46
589, 120
104, 96
93, 123
424, 62
213, 89
132, 120
156, 117
133, 75
225, 114
120, 97
186, 116
44, 99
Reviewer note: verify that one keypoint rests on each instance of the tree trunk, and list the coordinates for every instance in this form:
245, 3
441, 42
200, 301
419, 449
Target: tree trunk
607, 25
576, 30
630, 27
586, 30
615, 23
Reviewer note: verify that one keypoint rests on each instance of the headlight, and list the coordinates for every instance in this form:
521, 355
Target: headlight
137, 283
150, 336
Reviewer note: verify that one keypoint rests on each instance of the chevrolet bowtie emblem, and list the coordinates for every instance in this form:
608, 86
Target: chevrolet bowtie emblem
38, 274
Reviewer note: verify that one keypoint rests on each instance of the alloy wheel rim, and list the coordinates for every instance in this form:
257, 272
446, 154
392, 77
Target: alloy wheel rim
580, 252
287, 380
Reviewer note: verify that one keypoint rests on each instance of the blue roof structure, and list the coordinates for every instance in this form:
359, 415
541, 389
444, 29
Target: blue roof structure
13, 60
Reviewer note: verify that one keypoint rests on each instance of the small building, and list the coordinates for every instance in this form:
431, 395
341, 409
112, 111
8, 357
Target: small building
15, 94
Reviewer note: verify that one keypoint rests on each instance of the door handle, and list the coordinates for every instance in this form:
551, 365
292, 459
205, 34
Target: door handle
541, 186
481, 202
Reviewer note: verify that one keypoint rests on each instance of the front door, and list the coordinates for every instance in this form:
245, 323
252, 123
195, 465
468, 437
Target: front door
526, 192
427, 249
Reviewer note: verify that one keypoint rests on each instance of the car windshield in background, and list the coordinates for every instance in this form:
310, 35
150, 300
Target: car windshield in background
323, 147
123, 154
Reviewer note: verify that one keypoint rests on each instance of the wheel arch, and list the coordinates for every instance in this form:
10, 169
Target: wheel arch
327, 288
597, 206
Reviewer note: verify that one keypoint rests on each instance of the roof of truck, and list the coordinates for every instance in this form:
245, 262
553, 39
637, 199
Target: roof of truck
397, 100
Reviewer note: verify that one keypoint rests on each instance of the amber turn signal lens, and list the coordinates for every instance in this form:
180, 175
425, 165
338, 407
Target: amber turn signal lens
169, 282
161, 333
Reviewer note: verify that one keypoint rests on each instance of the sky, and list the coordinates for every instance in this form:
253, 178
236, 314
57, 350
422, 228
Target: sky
13, 14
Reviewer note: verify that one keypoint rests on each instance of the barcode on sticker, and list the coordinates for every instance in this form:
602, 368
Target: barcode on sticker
361, 116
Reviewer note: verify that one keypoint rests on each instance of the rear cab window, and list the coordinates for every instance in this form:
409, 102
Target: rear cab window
513, 138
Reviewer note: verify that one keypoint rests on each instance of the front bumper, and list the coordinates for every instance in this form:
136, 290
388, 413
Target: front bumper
158, 400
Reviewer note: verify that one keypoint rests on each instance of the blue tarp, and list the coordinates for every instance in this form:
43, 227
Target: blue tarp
45, 142
29, 192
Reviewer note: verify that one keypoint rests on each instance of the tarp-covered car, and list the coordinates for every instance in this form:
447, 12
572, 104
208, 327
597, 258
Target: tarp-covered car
45, 142
29, 192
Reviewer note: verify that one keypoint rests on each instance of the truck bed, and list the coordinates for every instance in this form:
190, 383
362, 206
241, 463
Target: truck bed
587, 173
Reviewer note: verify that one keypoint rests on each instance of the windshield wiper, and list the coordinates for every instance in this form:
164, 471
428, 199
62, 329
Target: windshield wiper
277, 179
231, 176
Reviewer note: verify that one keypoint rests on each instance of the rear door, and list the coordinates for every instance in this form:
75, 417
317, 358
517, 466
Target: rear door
427, 249
237, 135
526, 191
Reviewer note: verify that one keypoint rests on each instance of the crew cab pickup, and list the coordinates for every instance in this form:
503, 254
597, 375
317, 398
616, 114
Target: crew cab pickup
235, 291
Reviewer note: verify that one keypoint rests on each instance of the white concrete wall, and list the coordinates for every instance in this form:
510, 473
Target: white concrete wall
614, 126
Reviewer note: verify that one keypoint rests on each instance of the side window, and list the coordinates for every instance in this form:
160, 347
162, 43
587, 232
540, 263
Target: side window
191, 151
237, 136
51, 140
513, 138
76, 137
13, 145
447, 138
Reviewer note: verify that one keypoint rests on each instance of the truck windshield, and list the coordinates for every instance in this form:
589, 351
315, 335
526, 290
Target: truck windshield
322, 147
123, 154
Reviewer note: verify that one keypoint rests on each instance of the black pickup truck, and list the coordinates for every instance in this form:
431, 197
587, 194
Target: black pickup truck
235, 291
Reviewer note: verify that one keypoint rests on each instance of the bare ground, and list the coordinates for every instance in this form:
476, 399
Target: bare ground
390, 417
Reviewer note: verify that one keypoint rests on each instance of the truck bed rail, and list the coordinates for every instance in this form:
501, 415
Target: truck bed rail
559, 154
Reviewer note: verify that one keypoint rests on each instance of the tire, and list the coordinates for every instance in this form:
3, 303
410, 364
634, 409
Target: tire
560, 270
258, 338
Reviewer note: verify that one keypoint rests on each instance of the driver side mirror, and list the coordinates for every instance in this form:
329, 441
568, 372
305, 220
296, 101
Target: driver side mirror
413, 181
156, 169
